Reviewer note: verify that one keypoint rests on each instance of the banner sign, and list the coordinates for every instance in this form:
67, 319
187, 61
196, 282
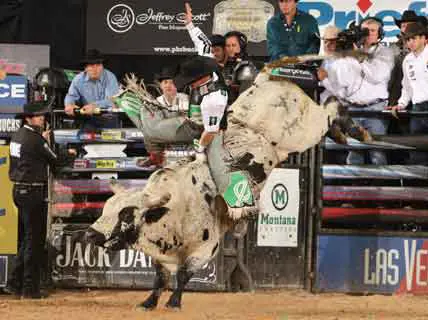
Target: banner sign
373, 264
279, 209
153, 27
8, 212
8, 124
13, 94
75, 263
157, 27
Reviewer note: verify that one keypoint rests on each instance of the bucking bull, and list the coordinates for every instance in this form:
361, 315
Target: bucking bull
179, 218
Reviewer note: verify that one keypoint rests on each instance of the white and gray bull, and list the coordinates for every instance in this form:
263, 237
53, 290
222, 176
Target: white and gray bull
178, 218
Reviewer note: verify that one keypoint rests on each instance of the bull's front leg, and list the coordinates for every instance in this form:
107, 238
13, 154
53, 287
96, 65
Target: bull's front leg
161, 282
183, 277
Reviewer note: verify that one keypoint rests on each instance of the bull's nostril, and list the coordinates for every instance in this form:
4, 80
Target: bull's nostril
95, 237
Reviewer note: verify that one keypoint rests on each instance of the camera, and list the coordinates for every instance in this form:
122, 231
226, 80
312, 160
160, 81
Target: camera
347, 38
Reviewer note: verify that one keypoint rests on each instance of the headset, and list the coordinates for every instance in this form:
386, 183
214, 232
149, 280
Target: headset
381, 32
242, 39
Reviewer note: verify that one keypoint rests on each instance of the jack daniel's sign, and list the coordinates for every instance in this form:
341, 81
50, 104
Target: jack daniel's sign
79, 264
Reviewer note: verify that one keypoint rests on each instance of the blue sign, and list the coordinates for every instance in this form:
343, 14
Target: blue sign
326, 14
372, 264
13, 94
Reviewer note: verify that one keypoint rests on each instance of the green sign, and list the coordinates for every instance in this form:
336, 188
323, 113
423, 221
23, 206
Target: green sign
238, 194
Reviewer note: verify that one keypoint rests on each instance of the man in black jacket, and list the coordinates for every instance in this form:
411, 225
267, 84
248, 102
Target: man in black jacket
30, 156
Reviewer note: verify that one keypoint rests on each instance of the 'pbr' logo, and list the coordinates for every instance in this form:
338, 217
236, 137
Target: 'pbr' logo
120, 18
279, 196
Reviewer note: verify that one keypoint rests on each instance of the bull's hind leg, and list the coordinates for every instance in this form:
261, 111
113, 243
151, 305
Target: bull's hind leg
183, 277
161, 282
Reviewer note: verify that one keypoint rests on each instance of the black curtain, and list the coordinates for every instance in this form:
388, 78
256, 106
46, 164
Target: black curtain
58, 23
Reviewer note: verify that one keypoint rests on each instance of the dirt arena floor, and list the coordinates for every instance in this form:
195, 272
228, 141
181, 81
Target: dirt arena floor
261, 305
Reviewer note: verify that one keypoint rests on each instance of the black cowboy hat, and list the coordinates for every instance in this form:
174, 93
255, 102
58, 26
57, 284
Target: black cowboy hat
34, 109
166, 73
217, 40
408, 16
194, 69
415, 29
93, 56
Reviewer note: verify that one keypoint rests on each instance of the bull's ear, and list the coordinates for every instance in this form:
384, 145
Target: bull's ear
116, 187
220, 205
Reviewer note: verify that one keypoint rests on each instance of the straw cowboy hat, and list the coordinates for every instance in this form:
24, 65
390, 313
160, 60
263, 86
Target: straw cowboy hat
330, 33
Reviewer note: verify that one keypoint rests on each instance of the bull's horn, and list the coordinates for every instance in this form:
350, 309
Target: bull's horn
156, 202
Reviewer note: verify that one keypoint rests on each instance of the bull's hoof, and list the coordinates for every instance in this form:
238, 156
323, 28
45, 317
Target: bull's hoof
174, 303
149, 304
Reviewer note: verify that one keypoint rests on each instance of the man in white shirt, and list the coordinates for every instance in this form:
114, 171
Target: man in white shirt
364, 85
176, 102
415, 83
177, 105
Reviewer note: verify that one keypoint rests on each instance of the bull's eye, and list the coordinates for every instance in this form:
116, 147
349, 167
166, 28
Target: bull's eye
127, 214
124, 226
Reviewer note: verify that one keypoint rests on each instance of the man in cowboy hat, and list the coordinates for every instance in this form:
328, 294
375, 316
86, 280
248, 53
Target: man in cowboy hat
394, 87
329, 46
415, 82
177, 102
177, 105
209, 98
292, 32
92, 90
208, 95
30, 155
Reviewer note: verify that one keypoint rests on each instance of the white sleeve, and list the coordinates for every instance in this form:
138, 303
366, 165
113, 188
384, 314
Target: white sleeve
378, 69
406, 90
201, 41
183, 102
338, 80
213, 106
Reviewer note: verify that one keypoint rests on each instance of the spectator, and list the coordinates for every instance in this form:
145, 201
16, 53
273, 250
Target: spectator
415, 82
176, 102
178, 106
239, 72
292, 32
409, 17
91, 90
363, 86
213, 47
329, 46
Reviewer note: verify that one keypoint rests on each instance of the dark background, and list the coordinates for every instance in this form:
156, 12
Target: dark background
62, 25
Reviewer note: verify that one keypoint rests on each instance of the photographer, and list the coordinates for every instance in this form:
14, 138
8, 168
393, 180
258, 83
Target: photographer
363, 85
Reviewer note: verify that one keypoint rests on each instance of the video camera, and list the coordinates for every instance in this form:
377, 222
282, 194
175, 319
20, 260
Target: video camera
347, 38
